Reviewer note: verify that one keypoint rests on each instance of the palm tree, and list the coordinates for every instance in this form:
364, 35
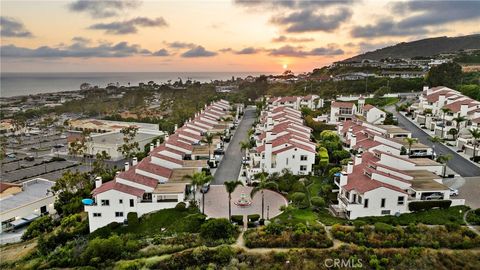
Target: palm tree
199, 179
445, 110
264, 184
458, 120
208, 140
230, 186
435, 140
444, 159
475, 132
410, 142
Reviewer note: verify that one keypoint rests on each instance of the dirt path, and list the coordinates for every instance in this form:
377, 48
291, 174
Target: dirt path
13, 252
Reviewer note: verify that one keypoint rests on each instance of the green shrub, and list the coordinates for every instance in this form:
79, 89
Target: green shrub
39, 226
181, 206
318, 202
274, 228
383, 227
358, 224
237, 219
253, 217
220, 228
251, 224
427, 205
132, 219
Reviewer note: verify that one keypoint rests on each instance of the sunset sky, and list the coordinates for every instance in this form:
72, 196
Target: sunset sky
196, 35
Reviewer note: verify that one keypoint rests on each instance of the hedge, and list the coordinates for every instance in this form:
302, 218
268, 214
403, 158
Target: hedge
237, 219
427, 205
253, 217
132, 219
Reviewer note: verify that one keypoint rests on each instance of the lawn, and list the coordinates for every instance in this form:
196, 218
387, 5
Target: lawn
166, 221
295, 215
382, 102
432, 217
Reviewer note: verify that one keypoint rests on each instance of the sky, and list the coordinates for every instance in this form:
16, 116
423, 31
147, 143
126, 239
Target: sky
215, 35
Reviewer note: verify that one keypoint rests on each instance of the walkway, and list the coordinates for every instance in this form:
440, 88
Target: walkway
229, 168
458, 163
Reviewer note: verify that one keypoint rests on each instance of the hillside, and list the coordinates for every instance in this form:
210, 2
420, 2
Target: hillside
423, 47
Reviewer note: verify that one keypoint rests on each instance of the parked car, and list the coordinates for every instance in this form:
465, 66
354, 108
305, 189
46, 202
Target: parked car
453, 192
205, 188
218, 152
11, 155
29, 158
58, 145
434, 196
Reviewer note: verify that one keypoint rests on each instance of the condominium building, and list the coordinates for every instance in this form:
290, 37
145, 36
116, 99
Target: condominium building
297, 102
158, 181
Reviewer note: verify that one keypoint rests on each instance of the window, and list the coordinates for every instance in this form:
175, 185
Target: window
293, 156
360, 199
303, 167
120, 201
365, 203
97, 214
287, 161
401, 200
132, 203
118, 214
105, 202
303, 157
385, 212
382, 203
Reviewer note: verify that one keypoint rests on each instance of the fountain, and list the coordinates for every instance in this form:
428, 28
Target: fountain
243, 201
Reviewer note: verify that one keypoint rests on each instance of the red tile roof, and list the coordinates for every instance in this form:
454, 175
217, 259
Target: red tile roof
455, 106
368, 107
338, 104
113, 185
147, 165
435, 96
163, 148
130, 175
167, 158
4, 186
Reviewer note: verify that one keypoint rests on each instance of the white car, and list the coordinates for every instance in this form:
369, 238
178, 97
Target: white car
453, 192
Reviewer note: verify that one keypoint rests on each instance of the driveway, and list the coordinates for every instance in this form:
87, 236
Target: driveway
230, 166
458, 163
216, 202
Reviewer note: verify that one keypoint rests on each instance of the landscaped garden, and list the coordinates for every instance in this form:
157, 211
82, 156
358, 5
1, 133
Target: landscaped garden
276, 235
382, 235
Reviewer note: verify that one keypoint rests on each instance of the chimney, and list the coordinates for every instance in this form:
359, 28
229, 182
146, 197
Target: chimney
358, 159
349, 167
268, 136
463, 110
339, 128
166, 137
349, 133
353, 140
127, 166
268, 156
269, 121
135, 161
175, 128
151, 147
98, 182
158, 142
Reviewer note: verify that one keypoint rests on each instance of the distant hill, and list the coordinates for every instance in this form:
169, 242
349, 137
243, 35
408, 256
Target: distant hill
424, 47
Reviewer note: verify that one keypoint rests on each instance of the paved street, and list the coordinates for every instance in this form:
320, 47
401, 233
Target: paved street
458, 164
230, 166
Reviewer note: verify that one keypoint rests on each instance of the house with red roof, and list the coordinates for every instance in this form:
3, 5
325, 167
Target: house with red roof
342, 111
312, 102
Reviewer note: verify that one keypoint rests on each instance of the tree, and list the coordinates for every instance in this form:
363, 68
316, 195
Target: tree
199, 179
217, 228
458, 120
208, 140
445, 110
410, 142
338, 155
129, 148
245, 146
262, 185
99, 166
453, 132
447, 74
435, 140
230, 187
475, 132
71, 188
444, 159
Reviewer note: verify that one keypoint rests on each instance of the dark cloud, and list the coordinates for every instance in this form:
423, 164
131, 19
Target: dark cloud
386, 28
224, 50
11, 27
161, 52
248, 50
291, 51
129, 26
103, 8
290, 4
292, 39
418, 18
75, 50
198, 51
81, 40
180, 45
308, 20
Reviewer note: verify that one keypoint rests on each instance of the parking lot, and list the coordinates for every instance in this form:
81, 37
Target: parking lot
23, 170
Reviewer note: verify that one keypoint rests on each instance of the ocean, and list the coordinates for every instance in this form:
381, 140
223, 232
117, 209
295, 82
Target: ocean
20, 84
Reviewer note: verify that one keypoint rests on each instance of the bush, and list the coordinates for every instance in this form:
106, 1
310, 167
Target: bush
39, 226
253, 217
132, 219
104, 249
220, 228
427, 205
237, 219
274, 228
383, 227
251, 224
181, 206
358, 224
298, 198
318, 202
